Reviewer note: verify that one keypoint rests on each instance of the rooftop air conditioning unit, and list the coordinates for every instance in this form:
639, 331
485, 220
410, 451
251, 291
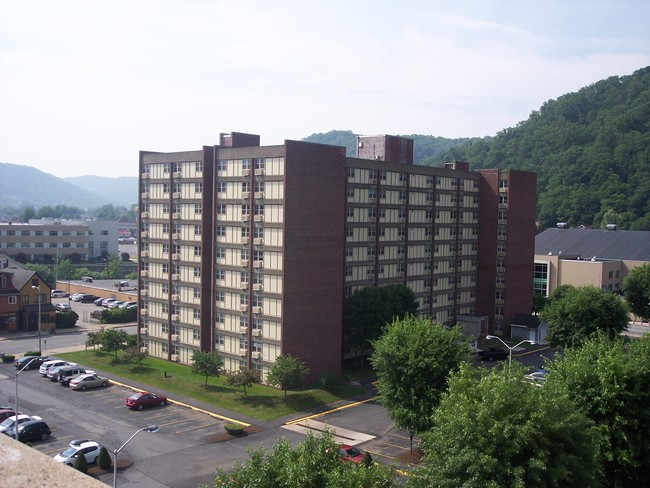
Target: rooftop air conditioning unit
174, 337
144, 331
177, 174
258, 241
257, 287
176, 194
176, 298
257, 309
176, 318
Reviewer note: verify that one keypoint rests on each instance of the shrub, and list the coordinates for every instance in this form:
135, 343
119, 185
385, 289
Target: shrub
118, 315
367, 459
328, 381
104, 460
234, 429
81, 464
66, 320
32, 353
8, 358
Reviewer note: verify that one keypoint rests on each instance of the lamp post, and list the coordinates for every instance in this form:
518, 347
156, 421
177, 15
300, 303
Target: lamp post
38, 287
510, 348
148, 428
16, 397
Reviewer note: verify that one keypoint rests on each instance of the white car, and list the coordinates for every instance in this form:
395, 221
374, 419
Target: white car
76, 296
58, 294
90, 449
45, 367
9, 422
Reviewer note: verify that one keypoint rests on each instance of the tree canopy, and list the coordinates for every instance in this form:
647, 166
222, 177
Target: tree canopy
576, 313
313, 463
243, 378
113, 340
636, 287
367, 311
206, 364
609, 380
493, 429
412, 360
287, 372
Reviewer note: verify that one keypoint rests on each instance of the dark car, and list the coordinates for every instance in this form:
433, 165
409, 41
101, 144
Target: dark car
34, 362
144, 399
493, 354
98, 302
34, 430
66, 373
88, 298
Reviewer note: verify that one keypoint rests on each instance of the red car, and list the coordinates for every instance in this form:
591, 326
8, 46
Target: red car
351, 453
144, 399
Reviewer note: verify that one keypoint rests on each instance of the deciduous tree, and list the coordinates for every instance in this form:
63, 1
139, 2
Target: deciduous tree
287, 372
609, 380
576, 314
313, 463
493, 429
243, 378
207, 364
113, 340
413, 359
636, 287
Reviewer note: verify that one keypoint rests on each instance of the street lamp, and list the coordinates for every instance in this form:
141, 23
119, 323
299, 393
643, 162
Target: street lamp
510, 348
148, 428
38, 287
16, 397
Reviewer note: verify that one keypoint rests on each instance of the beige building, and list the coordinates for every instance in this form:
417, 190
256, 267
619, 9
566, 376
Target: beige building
587, 257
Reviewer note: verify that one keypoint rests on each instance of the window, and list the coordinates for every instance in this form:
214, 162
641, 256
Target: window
197, 230
221, 209
259, 209
350, 172
219, 339
176, 248
197, 272
221, 231
220, 274
246, 164
350, 192
197, 250
198, 187
220, 296
166, 167
258, 232
259, 187
222, 165
196, 334
221, 187
220, 253
198, 209
259, 163
349, 232
165, 268
176, 187
243, 299
165, 228
220, 318
165, 187
12, 300
196, 313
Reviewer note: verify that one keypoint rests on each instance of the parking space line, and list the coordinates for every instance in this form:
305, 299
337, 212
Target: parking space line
335, 409
196, 428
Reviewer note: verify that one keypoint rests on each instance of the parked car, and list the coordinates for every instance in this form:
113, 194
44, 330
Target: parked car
144, 399
33, 430
89, 449
58, 294
87, 298
106, 301
66, 373
128, 304
75, 297
6, 413
350, 453
95, 314
493, 354
88, 380
63, 307
99, 301
54, 363
10, 422
33, 362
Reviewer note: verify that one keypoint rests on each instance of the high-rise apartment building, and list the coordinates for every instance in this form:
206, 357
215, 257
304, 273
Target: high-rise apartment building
250, 250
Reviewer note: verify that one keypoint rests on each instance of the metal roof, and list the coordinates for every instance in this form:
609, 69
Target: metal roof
626, 245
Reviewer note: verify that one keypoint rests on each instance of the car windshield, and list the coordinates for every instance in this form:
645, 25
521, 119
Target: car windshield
8, 422
353, 451
135, 396
69, 452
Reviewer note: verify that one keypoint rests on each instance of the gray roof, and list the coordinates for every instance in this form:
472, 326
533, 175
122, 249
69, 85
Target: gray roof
627, 245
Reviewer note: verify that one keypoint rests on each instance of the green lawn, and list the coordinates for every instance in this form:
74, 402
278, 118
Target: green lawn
262, 402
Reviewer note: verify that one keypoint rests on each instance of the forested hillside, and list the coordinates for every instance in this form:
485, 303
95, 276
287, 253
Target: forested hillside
590, 150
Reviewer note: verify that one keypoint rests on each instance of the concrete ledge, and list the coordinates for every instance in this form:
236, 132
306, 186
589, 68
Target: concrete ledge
22, 465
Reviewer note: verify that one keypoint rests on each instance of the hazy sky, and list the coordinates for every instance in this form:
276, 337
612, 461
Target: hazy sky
85, 85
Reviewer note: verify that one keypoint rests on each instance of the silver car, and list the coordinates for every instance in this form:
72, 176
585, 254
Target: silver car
84, 381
